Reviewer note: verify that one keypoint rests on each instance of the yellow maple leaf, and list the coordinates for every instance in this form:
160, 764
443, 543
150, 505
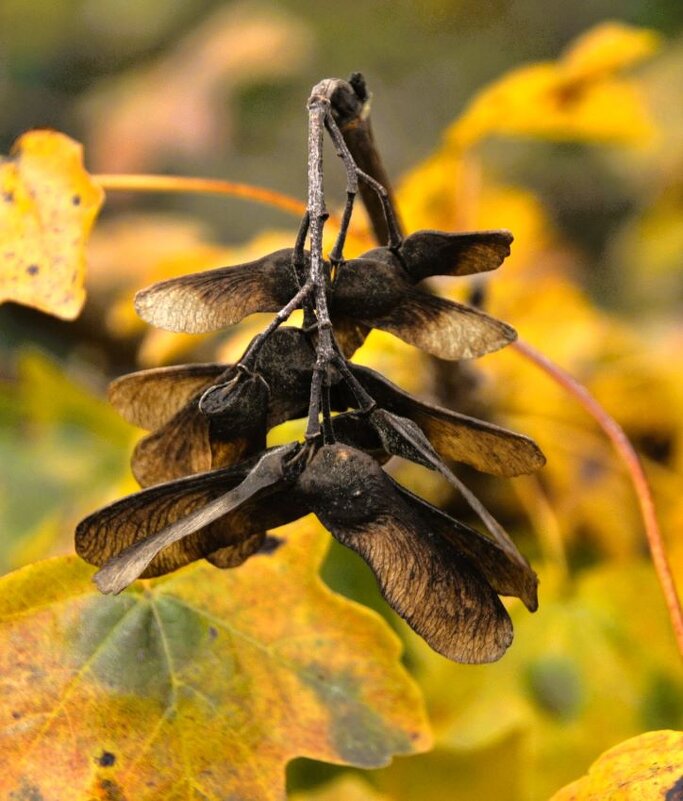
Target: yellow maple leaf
205, 682
645, 768
48, 204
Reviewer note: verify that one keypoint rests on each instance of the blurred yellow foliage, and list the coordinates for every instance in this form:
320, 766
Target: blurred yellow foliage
597, 663
580, 96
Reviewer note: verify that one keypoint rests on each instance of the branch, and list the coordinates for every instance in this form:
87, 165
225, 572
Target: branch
636, 474
350, 106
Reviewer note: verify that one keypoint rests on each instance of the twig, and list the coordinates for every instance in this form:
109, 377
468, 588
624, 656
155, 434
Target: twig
636, 473
351, 111
318, 109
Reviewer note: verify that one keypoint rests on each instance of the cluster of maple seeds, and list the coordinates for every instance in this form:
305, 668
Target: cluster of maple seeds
213, 488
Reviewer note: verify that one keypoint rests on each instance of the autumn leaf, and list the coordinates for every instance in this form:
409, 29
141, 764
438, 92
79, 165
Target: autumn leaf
644, 768
48, 204
202, 684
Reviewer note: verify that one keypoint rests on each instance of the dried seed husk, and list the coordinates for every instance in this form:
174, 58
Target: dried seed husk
150, 398
214, 299
428, 253
236, 408
440, 593
165, 527
457, 437
380, 295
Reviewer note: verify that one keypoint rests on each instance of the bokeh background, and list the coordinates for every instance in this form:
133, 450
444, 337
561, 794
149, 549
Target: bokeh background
587, 173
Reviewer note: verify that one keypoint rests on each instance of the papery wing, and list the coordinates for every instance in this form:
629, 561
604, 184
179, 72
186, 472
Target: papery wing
506, 570
110, 530
439, 592
214, 299
427, 253
179, 448
443, 328
237, 554
165, 527
349, 333
455, 436
149, 398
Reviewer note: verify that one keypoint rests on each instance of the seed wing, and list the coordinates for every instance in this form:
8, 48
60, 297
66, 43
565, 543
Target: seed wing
443, 328
208, 301
149, 398
427, 253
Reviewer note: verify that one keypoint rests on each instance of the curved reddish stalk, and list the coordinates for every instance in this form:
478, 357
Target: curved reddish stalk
211, 186
633, 464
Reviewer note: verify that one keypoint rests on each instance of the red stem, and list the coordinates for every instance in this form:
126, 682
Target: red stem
634, 466
211, 186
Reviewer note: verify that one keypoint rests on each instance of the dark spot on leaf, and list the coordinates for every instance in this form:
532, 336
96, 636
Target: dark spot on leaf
16, 715
76, 200
555, 685
106, 759
135, 659
8, 197
271, 544
111, 791
662, 703
33, 269
357, 732
213, 632
26, 792
675, 792
591, 470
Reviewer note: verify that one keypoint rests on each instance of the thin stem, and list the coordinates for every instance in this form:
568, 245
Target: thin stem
366, 403
353, 173
351, 109
318, 108
210, 186
337, 254
328, 430
251, 354
636, 473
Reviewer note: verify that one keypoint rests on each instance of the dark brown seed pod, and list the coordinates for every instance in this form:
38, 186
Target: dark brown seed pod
238, 407
188, 441
379, 295
286, 364
436, 588
215, 299
221, 489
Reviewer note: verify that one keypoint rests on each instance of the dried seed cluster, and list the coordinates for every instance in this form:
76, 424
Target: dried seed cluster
213, 489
